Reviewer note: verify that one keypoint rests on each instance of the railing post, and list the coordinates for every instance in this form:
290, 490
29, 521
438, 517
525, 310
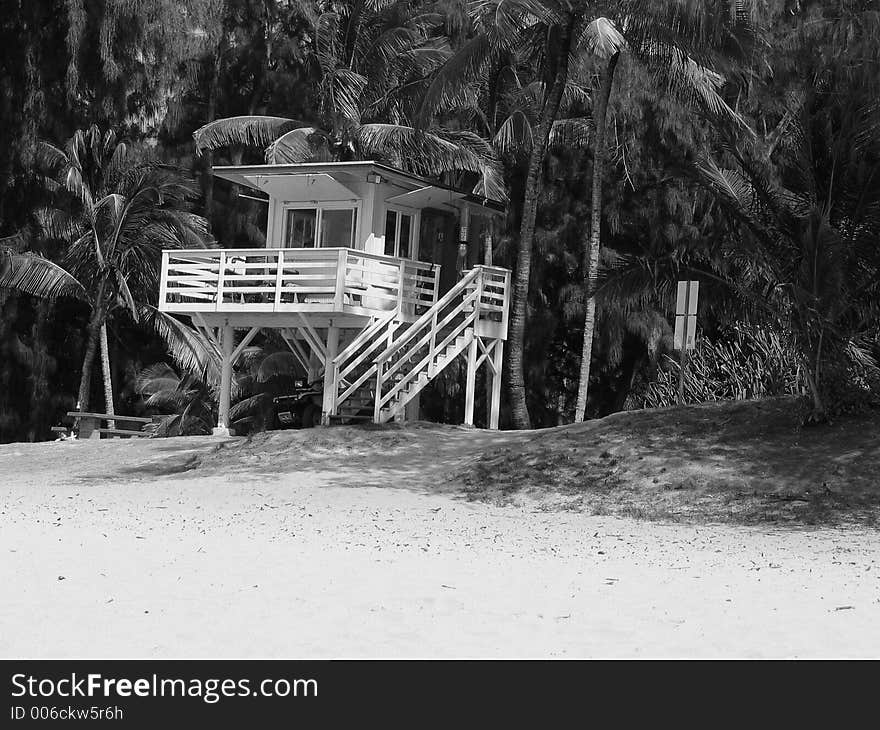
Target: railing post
340, 280
279, 271
433, 344
401, 271
163, 282
478, 302
220, 274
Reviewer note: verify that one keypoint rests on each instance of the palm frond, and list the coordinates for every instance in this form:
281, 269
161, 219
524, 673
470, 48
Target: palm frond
191, 350
297, 145
601, 39
422, 152
345, 89
248, 405
32, 274
574, 133
248, 131
449, 81
514, 136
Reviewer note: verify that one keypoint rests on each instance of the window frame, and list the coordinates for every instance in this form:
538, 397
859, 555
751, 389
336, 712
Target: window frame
319, 207
415, 222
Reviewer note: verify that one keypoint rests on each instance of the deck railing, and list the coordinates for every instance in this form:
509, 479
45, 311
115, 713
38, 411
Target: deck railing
294, 279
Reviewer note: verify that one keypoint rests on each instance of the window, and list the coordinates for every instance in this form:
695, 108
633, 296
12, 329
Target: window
323, 226
337, 227
398, 234
301, 226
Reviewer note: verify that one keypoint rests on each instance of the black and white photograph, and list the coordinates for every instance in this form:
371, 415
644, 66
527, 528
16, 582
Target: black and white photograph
437, 329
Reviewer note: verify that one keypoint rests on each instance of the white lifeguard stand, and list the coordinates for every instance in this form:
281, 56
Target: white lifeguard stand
344, 280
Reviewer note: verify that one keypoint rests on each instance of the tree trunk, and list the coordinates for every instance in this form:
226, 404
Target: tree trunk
85, 382
522, 273
40, 398
591, 260
820, 413
93, 334
108, 381
213, 90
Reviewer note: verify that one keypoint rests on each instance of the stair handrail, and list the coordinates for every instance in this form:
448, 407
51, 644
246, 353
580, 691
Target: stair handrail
425, 362
428, 316
471, 281
366, 334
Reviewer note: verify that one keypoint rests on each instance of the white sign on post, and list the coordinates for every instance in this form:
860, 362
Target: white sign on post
686, 315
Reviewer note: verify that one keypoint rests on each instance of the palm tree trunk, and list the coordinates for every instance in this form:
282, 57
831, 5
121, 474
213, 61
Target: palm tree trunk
40, 399
213, 91
85, 382
534, 185
591, 260
93, 333
108, 381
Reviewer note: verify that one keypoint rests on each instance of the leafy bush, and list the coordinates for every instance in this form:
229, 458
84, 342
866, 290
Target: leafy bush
757, 362
752, 362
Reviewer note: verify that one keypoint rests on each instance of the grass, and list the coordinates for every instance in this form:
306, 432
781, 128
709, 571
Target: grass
744, 462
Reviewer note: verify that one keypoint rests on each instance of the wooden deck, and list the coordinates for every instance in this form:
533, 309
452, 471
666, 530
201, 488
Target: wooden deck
311, 281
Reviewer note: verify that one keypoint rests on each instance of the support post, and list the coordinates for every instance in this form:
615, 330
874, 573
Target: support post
227, 343
495, 394
329, 392
314, 366
682, 369
470, 383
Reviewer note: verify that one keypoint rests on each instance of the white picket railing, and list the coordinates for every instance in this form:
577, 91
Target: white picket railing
295, 279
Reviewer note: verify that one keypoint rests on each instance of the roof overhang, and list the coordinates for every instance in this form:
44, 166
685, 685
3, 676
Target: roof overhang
269, 178
302, 186
428, 196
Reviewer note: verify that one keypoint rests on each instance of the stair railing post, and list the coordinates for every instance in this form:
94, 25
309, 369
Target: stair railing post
478, 298
471, 377
433, 346
376, 403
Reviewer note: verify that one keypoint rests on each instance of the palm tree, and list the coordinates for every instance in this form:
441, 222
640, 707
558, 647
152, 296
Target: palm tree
572, 38
676, 41
115, 214
368, 62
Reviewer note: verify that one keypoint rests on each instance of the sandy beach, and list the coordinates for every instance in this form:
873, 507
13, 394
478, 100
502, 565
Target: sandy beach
168, 548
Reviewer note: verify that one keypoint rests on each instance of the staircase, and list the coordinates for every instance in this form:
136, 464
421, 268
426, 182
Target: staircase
392, 360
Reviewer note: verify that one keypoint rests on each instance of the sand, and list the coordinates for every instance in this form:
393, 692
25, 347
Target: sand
359, 546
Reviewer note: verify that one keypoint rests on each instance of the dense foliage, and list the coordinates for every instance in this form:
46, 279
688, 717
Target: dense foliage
736, 142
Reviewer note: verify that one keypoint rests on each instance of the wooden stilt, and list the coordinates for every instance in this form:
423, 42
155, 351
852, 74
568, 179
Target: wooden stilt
471, 382
329, 393
495, 394
227, 343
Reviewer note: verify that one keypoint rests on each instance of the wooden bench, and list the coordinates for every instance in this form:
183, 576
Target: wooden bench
91, 425
124, 433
